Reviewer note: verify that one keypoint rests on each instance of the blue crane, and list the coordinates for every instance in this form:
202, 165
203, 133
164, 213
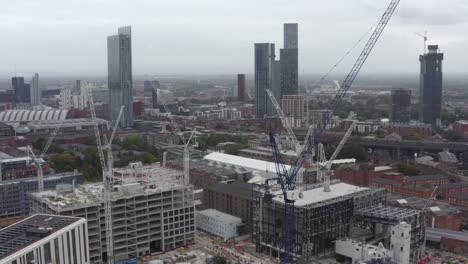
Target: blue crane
287, 179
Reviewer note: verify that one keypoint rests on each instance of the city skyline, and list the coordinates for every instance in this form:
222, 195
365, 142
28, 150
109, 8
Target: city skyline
164, 44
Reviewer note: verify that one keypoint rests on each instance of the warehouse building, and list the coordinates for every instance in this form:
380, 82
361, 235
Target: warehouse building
152, 212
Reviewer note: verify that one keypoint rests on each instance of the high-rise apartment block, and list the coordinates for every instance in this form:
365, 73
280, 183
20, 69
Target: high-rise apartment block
35, 90
264, 59
289, 60
401, 106
241, 87
120, 81
430, 86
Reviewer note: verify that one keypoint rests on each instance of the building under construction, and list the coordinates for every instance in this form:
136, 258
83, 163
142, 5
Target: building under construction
152, 211
321, 218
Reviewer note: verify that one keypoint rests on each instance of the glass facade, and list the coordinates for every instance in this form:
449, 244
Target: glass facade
264, 59
120, 81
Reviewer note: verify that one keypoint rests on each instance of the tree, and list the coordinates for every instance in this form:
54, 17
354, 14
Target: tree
64, 162
353, 151
234, 149
408, 170
147, 157
219, 260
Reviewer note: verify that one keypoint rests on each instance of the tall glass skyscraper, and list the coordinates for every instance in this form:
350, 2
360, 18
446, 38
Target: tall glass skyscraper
264, 59
289, 60
35, 91
120, 81
430, 86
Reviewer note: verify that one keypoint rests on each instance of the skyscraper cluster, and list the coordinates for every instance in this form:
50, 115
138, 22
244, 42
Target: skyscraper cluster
24, 93
120, 81
280, 76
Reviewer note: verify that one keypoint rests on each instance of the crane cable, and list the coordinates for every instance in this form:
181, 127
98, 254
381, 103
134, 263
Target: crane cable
318, 83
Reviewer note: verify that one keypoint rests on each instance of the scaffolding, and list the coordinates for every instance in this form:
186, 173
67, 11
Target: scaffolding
320, 219
380, 218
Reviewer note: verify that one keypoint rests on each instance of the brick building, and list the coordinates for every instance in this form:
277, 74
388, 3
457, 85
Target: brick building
416, 130
461, 128
231, 197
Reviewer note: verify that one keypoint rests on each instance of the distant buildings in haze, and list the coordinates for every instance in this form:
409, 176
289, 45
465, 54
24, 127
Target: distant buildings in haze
120, 81
401, 106
241, 87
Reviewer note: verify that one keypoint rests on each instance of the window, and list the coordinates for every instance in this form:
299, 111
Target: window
85, 242
57, 250
47, 253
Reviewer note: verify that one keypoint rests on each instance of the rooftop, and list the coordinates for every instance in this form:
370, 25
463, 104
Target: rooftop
253, 164
31, 230
30, 115
317, 195
129, 182
220, 216
237, 188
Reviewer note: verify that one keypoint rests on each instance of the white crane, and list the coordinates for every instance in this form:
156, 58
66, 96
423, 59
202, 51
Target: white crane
292, 137
324, 166
186, 155
424, 37
106, 176
39, 161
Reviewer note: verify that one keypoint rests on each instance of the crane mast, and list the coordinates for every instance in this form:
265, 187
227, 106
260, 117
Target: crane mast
284, 121
287, 179
186, 143
106, 176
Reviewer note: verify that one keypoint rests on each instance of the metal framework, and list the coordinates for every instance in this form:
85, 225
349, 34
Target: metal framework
385, 215
320, 223
287, 179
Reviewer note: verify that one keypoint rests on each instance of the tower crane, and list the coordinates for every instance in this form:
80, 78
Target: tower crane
324, 166
424, 37
287, 179
106, 176
39, 161
292, 137
186, 143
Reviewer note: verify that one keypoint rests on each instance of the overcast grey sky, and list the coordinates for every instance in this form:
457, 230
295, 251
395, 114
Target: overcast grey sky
217, 36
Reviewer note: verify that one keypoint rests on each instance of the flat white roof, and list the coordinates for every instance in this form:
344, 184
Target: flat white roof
382, 168
318, 195
221, 216
253, 164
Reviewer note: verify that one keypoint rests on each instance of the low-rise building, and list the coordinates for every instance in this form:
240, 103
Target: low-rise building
45, 239
218, 223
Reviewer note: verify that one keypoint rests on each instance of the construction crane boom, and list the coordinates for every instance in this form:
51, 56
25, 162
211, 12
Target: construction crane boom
284, 121
287, 179
346, 85
96, 133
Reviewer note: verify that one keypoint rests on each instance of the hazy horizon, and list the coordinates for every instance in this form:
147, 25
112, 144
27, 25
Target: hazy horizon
210, 37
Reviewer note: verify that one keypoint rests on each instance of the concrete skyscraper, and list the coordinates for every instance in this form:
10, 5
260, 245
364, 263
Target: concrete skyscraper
35, 90
289, 60
120, 81
264, 59
430, 86
401, 106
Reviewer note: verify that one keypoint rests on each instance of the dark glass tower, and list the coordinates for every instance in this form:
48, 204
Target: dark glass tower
430, 86
289, 60
120, 81
264, 57
401, 106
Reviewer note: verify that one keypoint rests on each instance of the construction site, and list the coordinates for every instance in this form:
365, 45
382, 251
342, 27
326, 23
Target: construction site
152, 211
